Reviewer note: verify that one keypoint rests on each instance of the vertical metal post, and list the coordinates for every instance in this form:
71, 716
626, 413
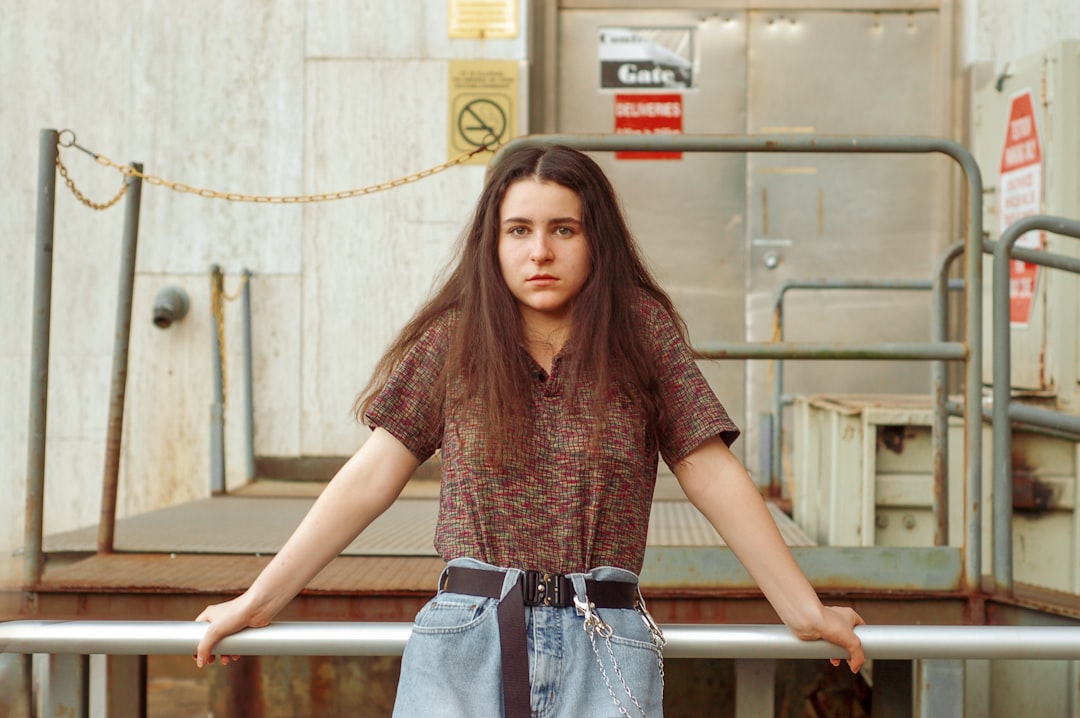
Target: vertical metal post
1001, 537
973, 367
217, 407
755, 687
249, 381
939, 382
776, 465
121, 344
939, 691
63, 685
765, 451
48, 151
117, 686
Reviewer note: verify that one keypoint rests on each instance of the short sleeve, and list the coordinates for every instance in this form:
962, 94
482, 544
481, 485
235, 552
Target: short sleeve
694, 414
410, 404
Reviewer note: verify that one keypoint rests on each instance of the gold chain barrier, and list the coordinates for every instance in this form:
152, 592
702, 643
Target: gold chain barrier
66, 138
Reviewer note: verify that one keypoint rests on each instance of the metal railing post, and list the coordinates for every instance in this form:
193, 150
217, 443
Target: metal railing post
776, 460
217, 405
121, 345
939, 383
249, 379
33, 560
1002, 570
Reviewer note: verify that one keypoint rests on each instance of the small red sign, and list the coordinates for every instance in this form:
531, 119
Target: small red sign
1019, 196
648, 115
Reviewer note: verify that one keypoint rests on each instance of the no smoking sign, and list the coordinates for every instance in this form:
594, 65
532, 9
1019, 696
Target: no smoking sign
481, 112
481, 120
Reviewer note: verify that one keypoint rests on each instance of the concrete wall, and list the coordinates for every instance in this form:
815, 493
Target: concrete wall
997, 31
251, 97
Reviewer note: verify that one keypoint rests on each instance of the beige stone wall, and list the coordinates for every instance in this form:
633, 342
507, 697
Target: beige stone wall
257, 97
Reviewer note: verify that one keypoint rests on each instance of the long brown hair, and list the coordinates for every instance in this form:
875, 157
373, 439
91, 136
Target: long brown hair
604, 350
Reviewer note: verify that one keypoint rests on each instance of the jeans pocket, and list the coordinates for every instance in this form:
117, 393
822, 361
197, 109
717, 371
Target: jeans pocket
453, 613
628, 628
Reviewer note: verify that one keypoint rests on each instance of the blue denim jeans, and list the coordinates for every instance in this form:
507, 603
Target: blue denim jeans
451, 665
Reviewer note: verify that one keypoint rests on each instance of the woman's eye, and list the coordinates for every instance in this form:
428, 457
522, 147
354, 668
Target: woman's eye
519, 231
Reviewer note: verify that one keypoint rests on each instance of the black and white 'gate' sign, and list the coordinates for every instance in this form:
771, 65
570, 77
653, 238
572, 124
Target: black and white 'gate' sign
646, 58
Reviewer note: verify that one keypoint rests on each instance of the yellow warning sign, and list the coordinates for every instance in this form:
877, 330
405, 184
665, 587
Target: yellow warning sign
483, 105
483, 19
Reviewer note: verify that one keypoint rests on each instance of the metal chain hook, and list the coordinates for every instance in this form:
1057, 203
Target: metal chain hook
63, 170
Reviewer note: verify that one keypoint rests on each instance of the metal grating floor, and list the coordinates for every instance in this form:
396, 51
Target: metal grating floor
257, 526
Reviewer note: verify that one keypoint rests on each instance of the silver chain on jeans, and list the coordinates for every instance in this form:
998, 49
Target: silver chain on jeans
655, 634
595, 625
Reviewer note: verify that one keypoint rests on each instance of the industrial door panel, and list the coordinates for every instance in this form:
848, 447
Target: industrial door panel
687, 213
723, 231
857, 216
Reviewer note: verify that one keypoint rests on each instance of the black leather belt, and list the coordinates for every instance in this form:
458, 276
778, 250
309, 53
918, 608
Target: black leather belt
533, 588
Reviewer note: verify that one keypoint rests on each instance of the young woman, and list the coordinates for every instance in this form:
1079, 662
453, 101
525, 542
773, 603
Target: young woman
551, 371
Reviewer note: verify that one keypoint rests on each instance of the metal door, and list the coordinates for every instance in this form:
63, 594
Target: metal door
723, 231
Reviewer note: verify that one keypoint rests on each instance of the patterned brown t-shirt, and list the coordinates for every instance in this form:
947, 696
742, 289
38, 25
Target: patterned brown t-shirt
560, 505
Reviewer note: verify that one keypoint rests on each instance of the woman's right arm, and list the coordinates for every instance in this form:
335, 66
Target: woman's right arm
362, 489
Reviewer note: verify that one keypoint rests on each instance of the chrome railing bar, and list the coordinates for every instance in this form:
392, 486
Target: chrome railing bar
388, 639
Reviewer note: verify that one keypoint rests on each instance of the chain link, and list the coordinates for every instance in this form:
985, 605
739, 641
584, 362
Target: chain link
100, 206
128, 171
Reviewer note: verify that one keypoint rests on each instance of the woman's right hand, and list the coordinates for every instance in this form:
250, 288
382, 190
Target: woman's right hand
225, 619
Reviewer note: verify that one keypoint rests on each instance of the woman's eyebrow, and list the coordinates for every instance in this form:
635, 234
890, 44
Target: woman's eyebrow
529, 220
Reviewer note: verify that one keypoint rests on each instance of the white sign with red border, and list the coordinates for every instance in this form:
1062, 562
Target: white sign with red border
1019, 196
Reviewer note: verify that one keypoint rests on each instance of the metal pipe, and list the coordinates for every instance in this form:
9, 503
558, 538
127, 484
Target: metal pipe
34, 559
972, 267
1038, 256
1056, 424
914, 351
1048, 418
776, 459
1001, 541
249, 380
217, 406
340, 638
939, 389
121, 344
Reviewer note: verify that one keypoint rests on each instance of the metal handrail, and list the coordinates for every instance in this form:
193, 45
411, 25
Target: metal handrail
884, 285
859, 144
1003, 251
684, 640
333, 638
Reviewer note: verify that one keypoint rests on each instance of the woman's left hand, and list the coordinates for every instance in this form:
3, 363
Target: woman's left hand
837, 626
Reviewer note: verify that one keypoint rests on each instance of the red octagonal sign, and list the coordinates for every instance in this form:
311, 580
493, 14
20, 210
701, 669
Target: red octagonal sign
1019, 196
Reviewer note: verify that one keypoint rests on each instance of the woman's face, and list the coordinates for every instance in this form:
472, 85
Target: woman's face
543, 253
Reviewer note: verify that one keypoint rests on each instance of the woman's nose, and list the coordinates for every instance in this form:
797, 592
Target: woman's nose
541, 248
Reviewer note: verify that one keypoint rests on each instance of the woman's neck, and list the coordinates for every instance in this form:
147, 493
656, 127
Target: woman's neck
544, 343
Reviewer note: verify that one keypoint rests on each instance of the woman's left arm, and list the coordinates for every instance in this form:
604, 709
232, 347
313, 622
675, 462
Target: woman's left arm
717, 484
